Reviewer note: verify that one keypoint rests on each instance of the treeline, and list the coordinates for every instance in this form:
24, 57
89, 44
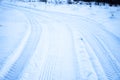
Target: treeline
110, 2
97, 2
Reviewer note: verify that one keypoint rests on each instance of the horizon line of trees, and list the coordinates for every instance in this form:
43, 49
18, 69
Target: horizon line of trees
97, 2
110, 2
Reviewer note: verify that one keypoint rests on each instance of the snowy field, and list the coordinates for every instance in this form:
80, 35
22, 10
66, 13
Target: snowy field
105, 15
41, 41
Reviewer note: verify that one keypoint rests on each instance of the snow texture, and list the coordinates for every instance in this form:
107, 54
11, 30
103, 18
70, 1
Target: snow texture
41, 41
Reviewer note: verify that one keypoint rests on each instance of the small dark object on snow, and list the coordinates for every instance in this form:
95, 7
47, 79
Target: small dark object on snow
81, 39
0, 25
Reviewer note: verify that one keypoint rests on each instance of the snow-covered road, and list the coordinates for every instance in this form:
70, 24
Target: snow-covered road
59, 46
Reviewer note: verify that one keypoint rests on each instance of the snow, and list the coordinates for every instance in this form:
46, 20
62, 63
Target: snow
13, 36
41, 41
101, 14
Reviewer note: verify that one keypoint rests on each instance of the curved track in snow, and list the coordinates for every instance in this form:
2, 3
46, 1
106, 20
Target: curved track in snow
64, 47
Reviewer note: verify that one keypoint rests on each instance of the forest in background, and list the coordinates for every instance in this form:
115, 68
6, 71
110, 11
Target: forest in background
97, 2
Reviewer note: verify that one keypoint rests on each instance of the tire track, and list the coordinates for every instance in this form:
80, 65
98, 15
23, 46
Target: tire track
16, 68
87, 73
39, 58
8, 50
103, 58
95, 52
115, 65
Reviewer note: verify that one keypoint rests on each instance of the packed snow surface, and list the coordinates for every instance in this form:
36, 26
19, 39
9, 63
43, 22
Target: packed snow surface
41, 41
